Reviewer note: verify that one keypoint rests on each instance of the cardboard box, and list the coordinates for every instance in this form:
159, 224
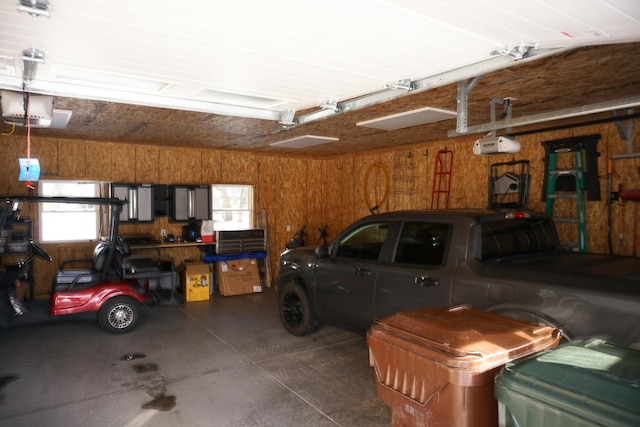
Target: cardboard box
238, 277
196, 280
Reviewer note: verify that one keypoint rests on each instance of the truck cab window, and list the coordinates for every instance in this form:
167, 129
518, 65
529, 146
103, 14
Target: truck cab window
422, 243
364, 242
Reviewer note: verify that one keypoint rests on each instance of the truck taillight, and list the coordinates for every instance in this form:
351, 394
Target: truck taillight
516, 215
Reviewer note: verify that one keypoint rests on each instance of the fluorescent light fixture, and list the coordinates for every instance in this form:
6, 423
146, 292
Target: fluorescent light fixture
407, 119
304, 141
109, 79
60, 119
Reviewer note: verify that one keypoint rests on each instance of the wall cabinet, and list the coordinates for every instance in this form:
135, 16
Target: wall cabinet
188, 203
141, 201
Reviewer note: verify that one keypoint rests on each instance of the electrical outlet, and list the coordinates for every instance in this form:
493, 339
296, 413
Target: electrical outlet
288, 228
163, 232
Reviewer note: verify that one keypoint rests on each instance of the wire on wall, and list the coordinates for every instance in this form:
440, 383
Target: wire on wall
373, 209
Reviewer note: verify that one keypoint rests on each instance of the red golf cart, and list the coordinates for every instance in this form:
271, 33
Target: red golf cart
106, 286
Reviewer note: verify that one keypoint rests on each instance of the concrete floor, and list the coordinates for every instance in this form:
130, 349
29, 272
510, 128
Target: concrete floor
223, 362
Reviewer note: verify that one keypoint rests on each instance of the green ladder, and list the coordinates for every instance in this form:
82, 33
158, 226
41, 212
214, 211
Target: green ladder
579, 194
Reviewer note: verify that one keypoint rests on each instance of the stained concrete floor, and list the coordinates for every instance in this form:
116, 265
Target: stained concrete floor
223, 362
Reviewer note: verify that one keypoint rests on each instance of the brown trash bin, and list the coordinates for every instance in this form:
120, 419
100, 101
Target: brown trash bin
436, 366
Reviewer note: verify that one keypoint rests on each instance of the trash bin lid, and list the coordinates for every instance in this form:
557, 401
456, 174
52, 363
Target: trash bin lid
593, 378
464, 338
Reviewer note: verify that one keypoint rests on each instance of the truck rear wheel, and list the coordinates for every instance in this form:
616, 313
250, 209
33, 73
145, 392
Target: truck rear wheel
296, 312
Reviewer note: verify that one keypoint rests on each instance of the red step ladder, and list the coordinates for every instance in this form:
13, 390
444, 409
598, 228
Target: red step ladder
442, 180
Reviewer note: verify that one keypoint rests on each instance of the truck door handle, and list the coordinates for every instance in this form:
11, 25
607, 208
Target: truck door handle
426, 281
361, 272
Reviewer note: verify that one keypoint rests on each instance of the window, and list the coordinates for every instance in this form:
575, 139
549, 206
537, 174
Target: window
511, 237
232, 207
364, 243
422, 243
68, 222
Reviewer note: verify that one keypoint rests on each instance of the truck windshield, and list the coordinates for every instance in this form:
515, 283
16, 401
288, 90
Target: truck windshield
523, 236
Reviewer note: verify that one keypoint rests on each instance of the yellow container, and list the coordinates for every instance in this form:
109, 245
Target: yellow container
196, 281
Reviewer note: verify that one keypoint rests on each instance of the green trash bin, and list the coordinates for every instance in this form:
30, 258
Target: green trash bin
583, 383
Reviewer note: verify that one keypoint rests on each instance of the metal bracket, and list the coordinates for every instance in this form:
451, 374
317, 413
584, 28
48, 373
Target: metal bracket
402, 84
287, 118
625, 133
506, 113
330, 104
464, 87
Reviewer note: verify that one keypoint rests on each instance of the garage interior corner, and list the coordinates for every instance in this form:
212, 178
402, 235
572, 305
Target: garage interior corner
223, 362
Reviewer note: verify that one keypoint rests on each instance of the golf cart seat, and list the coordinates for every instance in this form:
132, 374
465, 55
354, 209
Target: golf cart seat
144, 268
73, 278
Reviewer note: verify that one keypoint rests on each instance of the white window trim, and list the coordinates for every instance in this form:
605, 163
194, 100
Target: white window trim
249, 209
44, 213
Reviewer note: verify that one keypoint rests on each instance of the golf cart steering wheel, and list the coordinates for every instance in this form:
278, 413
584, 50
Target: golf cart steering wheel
38, 251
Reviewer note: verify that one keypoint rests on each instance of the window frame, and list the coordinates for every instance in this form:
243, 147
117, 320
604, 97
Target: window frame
45, 212
248, 211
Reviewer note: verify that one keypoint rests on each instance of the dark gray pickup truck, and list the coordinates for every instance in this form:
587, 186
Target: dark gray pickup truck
510, 263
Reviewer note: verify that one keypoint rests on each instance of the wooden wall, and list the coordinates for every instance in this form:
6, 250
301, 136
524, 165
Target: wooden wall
312, 192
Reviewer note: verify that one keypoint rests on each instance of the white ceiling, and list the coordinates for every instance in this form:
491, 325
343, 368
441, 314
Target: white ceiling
255, 58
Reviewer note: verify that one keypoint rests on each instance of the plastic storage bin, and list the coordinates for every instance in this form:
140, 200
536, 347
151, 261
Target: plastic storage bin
583, 383
437, 366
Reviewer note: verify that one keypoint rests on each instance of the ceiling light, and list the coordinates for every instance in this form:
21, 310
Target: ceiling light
34, 8
30, 60
60, 119
407, 119
304, 141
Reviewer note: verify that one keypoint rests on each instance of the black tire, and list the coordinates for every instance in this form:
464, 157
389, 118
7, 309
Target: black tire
119, 315
296, 313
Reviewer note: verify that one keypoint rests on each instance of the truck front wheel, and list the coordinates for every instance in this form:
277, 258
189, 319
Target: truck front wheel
296, 312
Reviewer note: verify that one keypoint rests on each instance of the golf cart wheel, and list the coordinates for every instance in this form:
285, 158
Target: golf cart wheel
119, 315
296, 312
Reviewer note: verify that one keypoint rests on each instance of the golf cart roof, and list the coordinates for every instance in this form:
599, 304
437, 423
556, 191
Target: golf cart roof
82, 200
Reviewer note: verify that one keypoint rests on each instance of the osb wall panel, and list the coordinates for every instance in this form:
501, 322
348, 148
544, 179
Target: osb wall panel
313, 201
291, 198
123, 163
147, 165
9, 153
72, 159
99, 161
239, 168
179, 166
211, 170
334, 189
